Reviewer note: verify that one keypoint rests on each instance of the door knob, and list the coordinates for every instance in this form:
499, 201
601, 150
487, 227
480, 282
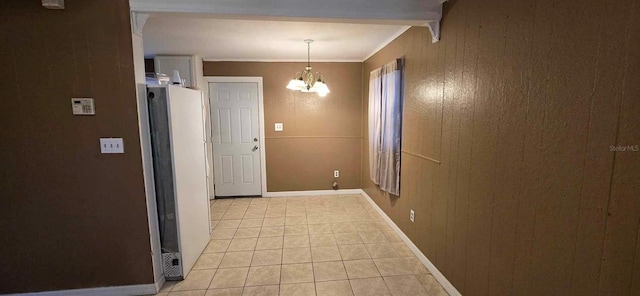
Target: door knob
255, 148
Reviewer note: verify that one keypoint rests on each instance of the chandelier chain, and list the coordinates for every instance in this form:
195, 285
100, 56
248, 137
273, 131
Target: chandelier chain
309, 54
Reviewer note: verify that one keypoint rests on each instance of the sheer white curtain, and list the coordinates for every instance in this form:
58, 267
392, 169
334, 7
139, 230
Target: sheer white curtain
385, 126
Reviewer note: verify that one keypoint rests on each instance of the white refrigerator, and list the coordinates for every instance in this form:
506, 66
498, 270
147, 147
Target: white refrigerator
179, 160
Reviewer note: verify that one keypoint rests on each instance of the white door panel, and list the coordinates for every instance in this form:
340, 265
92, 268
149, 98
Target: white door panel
235, 135
187, 138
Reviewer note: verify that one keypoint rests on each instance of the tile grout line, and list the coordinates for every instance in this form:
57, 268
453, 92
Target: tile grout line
368, 210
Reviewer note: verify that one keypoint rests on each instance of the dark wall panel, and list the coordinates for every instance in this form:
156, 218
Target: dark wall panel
70, 217
508, 123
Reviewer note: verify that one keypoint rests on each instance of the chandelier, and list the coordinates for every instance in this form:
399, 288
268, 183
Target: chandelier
306, 81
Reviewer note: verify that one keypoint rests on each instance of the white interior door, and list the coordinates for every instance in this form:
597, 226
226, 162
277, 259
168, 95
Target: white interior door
236, 138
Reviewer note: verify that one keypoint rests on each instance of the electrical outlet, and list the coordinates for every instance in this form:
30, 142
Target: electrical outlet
279, 126
336, 174
412, 215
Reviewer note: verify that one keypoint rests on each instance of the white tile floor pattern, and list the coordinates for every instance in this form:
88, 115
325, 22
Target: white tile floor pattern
317, 245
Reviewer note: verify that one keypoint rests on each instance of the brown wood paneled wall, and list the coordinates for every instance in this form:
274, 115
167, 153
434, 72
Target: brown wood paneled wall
70, 217
519, 104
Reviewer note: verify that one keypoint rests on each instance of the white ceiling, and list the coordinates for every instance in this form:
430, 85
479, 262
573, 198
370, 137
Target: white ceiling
264, 40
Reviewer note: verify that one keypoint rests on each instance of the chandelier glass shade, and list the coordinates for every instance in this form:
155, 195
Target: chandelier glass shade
307, 81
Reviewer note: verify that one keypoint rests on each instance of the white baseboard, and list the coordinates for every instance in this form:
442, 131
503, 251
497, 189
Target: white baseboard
151, 289
430, 267
159, 283
312, 192
148, 289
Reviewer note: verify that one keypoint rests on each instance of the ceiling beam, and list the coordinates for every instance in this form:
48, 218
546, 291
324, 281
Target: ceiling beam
401, 12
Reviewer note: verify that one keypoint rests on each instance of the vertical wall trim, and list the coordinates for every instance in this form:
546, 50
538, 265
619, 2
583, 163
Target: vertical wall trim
147, 161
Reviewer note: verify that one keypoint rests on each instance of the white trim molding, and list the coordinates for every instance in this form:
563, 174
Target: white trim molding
137, 22
281, 60
408, 11
162, 280
427, 263
148, 289
434, 28
263, 157
312, 192
146, 155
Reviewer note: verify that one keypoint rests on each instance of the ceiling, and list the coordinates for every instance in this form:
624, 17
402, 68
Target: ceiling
264, 40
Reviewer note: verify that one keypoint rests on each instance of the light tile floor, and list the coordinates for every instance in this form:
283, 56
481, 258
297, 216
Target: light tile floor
318, 245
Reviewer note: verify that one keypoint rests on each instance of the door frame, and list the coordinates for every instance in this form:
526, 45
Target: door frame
263, 155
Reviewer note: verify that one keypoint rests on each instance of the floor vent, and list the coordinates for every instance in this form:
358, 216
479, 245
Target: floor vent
172, 266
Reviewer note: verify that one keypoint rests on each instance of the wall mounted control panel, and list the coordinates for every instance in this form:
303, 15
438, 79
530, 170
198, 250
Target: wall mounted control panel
82, 106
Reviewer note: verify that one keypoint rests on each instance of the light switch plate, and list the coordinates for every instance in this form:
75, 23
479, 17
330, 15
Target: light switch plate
111, 145
279, 126
53, 4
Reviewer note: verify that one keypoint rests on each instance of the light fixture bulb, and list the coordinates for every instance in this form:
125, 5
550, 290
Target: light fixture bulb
324, 88
317, 86
293, 84
300, 85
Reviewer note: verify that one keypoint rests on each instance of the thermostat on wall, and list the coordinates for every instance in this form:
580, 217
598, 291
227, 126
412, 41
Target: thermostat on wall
82, 106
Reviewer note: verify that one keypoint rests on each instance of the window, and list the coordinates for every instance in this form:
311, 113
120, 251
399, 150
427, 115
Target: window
385, 126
